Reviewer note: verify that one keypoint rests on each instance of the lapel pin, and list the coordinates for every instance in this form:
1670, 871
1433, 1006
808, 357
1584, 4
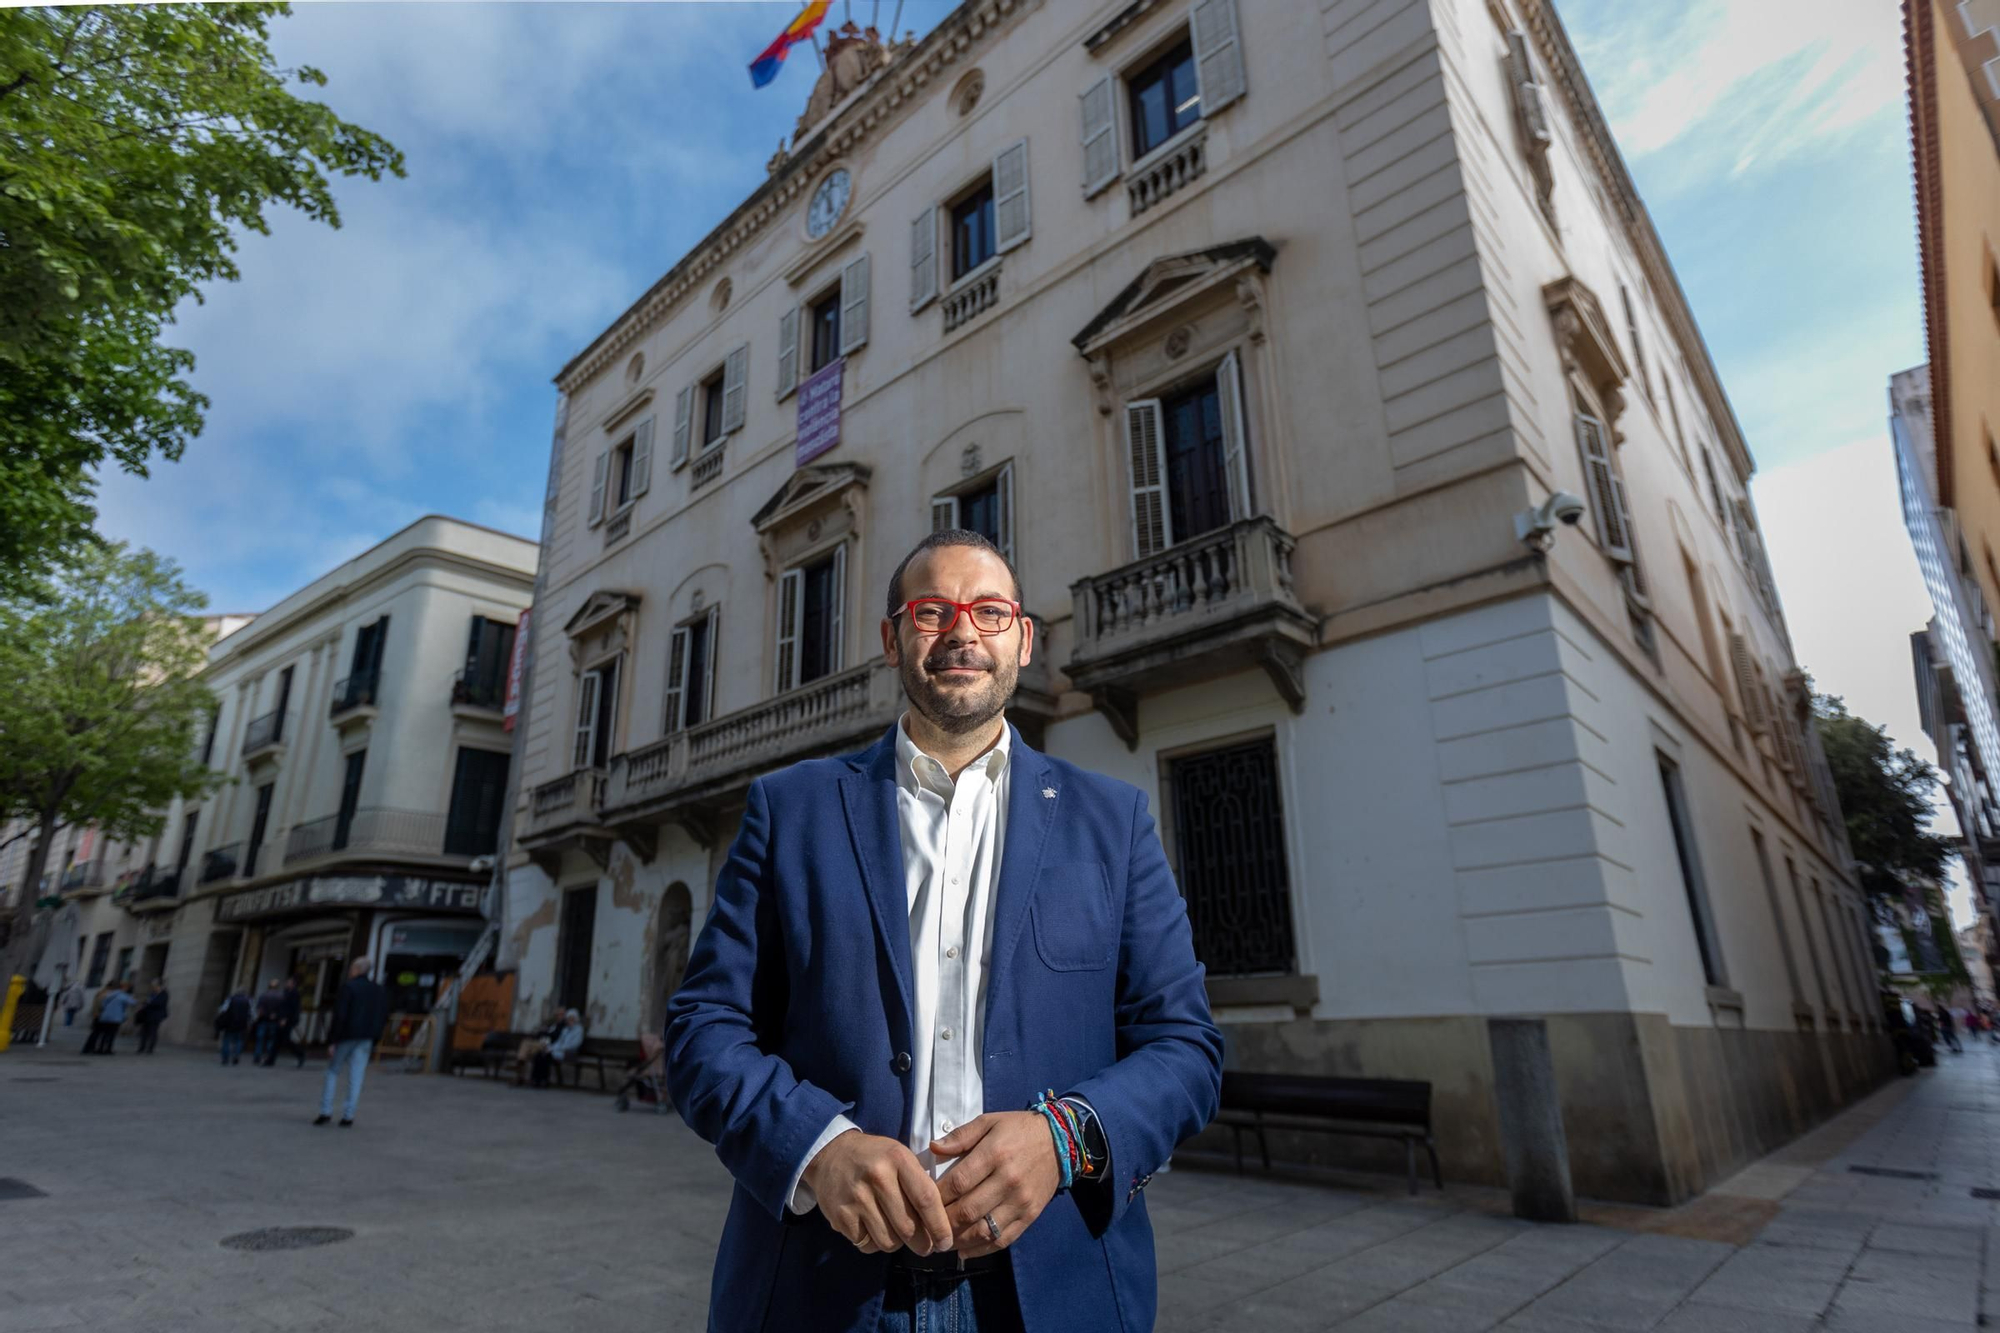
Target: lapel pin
1048, 793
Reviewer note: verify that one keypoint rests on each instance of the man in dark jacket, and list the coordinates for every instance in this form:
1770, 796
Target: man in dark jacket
266, 1041
359, 1012
289, 1009
231, 1021
151, 1014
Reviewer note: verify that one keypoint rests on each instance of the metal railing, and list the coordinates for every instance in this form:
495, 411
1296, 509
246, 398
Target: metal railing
221, 863
355, 691
473, 690
1218, 573
154, 882
370, 830
263, 732
84, 875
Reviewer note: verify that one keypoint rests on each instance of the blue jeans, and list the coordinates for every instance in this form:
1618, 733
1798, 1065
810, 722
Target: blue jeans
940, 1303
267, 1041
353, 1054
232, 1046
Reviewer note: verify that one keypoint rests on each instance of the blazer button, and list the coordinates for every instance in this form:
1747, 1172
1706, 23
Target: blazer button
902, 1062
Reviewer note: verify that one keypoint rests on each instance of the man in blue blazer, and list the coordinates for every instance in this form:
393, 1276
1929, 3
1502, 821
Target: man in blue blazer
944, 1020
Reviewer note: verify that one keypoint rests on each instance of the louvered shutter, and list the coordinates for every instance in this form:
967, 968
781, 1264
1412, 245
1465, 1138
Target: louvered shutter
788, 627
1010, 197
1605, 498
788, 353
854, 305
708, 666
642, 458
676, 682
1529, 107
1746, 683
597, 489
735, 388
1218, 54
1235, 437
1635, 577
1003, 493
836, 615
683, 420
1145, 453
944, 512
923, 259
1098, 103
586, 718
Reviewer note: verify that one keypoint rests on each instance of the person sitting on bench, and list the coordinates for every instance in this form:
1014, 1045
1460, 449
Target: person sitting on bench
531, 1048
567, 1041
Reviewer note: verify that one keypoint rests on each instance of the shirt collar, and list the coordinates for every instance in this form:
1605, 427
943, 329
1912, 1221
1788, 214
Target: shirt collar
914, 767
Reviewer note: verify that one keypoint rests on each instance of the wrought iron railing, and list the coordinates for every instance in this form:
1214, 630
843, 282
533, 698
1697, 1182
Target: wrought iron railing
263, 732
355, 691
156, 882
371, 830
221, 863
479, 689
1173, 169
84, 875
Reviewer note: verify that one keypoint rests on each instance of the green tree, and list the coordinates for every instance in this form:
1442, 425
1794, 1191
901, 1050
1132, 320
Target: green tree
137, 142
1885, 799
103, 707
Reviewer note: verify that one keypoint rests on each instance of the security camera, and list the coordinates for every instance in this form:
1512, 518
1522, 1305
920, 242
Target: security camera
481, 864
1537, 526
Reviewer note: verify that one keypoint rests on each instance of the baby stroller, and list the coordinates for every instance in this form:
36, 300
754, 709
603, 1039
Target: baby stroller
648, 1082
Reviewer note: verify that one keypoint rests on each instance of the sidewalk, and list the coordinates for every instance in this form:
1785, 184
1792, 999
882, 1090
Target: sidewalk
474, 1206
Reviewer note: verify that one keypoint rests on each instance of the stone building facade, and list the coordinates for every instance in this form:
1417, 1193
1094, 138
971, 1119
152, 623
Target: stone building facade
1264, 337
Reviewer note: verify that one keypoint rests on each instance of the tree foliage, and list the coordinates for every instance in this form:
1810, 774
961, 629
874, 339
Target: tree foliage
1885, 798
103, 704
136, 143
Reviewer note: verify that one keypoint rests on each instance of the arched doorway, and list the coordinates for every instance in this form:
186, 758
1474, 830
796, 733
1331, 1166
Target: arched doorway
672, 934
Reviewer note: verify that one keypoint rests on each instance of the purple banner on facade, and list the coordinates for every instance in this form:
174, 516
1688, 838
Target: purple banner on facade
819, 412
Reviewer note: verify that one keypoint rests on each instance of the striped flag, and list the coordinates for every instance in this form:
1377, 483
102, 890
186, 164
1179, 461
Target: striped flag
765, 67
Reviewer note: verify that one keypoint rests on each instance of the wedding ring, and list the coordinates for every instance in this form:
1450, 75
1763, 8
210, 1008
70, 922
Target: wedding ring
992, 1230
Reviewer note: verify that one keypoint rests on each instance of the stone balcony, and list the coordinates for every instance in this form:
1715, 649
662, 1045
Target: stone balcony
1208, 607
565, 813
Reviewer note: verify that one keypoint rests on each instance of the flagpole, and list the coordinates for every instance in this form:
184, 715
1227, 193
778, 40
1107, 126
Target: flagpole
896, 22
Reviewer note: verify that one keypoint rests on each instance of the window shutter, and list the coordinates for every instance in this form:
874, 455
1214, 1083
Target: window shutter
788, 627
1145, 452
683, 422
642, 458
923, 260
1601, 482
676, 683
735, 383
1619, 498
1003, 491
1528, 106
1218, 54
788, 353
1100, 135
944, 512
708, 667
597, 489
854, 305
586, 717
1235, 439
1746, 683
836, 615
1010, 197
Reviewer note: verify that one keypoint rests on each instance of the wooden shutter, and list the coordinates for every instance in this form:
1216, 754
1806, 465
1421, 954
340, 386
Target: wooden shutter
788, 628
1098, 103
1235, 438
1218, 54
1747, 691
1635, 578
677, 664
836, 614
708, 667
683, 423
735, 385
1145, 453
1529, 110
642, 458
854, 305
1003, 494
788, 353
1605, 498
586, 718
944, 512
1010, 197
597, 489
923, 259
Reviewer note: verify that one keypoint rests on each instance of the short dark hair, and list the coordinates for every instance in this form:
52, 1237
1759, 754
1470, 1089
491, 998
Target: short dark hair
947, 537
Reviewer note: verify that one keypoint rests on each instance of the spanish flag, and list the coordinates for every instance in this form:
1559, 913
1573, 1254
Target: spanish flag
765, 67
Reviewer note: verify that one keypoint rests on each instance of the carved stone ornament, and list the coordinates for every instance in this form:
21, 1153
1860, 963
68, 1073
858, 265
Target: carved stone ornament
697, 600
968, 462
1177, 342
1100, 380
814, 528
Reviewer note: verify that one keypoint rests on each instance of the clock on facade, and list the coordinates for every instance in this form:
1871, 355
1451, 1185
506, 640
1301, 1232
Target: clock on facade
828, 202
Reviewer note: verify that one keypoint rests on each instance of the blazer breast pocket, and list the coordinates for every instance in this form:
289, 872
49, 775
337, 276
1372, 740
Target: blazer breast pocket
1074, 929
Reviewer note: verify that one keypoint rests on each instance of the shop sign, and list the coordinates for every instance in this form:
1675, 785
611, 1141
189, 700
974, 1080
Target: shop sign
819, 412
350, 891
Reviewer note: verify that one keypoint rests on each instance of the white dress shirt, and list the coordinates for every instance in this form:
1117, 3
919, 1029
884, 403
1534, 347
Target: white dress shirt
952, 834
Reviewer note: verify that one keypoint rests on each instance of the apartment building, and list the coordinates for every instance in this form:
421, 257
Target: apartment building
1265, 338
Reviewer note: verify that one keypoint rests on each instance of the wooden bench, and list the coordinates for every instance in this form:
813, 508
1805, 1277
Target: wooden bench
1380, 1108
596, 1053
495, 1053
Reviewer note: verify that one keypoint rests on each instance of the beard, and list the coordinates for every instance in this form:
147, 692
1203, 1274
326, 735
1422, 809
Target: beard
959, 705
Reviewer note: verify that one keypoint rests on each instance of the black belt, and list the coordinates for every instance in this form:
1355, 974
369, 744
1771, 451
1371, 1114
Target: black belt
947, 1263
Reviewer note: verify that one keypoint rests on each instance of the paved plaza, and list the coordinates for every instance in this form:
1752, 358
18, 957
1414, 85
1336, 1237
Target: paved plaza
476, 1206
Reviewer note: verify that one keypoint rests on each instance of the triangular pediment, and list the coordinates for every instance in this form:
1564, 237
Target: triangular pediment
812, 483
599, 607
1167, 281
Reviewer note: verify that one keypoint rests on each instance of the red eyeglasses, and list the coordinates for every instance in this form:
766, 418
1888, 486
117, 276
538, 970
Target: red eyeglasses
935, 615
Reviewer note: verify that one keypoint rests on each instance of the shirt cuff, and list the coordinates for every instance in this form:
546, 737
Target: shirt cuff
799, 1198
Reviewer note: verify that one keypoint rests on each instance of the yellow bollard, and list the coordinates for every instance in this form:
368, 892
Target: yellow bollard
15, 986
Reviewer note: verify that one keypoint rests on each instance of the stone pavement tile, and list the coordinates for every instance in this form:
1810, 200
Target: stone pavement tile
1902, 1237
1184, 1249
1773, 1278
1879, 1322
1818, 1228
1699, 1317
1635, 1285
1885, 1285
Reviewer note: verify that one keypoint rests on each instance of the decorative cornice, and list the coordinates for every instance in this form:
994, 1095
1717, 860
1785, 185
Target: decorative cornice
1920, 67
866, 111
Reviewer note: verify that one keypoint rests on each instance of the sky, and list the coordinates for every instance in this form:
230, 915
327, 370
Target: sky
563, 156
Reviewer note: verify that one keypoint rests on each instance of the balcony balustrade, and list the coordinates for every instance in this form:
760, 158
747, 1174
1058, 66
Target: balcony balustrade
354, 692
1178, 163
368, 831
155, 883
221, 863
479, 690
263, 734
977, 293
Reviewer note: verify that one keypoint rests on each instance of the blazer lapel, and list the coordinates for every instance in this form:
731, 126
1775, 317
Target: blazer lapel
869, 799
1032, 801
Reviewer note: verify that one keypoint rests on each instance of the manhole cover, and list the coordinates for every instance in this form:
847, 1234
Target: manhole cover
11, 1188
1893, 1172
286, 1238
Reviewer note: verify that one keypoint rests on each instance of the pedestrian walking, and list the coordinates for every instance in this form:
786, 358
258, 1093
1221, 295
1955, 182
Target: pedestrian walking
1949, 1029
73, 999
104, 1029
151, 1014
94, 1038
903, 938
289, 1009
269, 1004
231, 1021
359, 1011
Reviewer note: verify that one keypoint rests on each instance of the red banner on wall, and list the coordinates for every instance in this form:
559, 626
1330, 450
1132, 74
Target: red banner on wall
514, 669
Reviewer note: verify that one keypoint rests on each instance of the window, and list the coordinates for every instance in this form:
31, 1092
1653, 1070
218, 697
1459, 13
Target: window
576, 935
986, 507
1638, 350
624, 473
1812, 944
691, 672
284, 699
986, 219
621, 475
1777, 915
188, 822
1692, 882
1187, 451
1165, 98
100, 954
478, 790
824, 321
350, 798
711, 409
489, 652
1229, 830
365, 671
972, 231
1714, 487
258, 825
596, 711
124, 964
208, 745
1614, 522
811, 602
